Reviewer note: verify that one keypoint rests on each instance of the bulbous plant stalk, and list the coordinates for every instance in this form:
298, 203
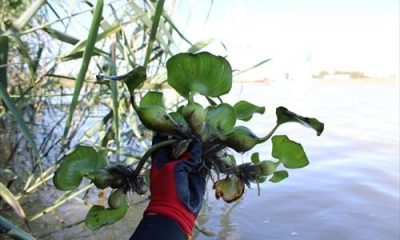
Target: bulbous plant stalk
152, 117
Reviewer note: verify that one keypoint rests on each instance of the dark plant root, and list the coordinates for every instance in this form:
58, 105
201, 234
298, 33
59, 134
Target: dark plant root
130, 181
247, 173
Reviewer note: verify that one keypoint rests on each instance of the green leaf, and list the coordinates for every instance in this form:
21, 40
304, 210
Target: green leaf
98, 216
261, 179
232, 159
4, 44
81, 44
18, 117
9, 198
153, 30
289, 152
220, 118
77, 164
178, 118
60, 35
240, 138
202, 73
245, 110
279, 176
152, 99
284, 115
255, 158
87, 55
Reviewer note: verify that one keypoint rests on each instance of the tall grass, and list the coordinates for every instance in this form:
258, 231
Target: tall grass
48, 60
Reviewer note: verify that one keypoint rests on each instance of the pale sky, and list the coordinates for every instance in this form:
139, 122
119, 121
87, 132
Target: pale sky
351, 35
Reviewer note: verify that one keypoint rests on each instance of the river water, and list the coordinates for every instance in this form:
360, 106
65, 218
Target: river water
349, 191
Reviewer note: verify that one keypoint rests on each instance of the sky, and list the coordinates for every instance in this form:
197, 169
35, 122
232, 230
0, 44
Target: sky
298, 35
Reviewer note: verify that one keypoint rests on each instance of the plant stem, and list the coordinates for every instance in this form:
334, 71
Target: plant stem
269, 134
147, 154
58, 204
13, 231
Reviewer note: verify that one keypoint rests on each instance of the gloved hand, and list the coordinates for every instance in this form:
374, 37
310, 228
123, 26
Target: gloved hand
177, 189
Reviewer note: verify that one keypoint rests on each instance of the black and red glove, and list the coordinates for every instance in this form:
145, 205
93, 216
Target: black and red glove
177, 189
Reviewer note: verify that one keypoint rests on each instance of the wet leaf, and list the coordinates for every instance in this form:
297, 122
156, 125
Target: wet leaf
98, 216
220, 118
230, 188
284, 115
9, 198
289, 152
79, 162
279, 176
202, 73
245, 110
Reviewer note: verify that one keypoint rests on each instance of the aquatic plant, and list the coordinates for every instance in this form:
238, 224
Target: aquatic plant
190, 75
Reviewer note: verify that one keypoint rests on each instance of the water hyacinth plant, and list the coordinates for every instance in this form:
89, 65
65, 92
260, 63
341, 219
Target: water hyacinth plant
215, 124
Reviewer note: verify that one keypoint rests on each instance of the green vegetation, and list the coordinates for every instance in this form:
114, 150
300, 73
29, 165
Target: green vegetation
77, 131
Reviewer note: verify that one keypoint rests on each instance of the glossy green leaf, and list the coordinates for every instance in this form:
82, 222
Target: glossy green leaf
152, 99
284, 115
9, 198
255, 158
221, 118
229, 189
245, 110
98, 216
240, 138
76, 164
289, 152
201, 73
87, 54
279, 176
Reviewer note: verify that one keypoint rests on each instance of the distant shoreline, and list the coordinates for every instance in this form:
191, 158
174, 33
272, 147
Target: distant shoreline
383, 80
